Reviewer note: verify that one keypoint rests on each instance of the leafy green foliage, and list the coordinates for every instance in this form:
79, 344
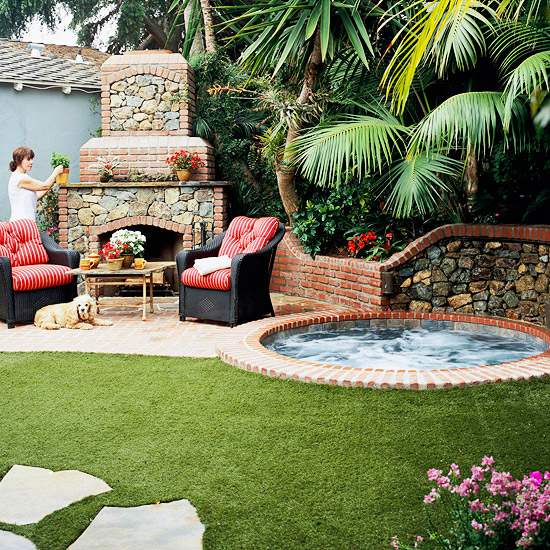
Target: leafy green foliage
47, 211
282, 32
132, 20
233, 122
328, 215
357, 144
57, 159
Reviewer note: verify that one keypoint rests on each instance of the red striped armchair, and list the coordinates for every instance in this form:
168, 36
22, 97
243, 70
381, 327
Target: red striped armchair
237, 294
33, 272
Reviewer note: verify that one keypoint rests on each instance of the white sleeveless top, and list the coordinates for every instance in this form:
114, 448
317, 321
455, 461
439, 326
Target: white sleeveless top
22, 201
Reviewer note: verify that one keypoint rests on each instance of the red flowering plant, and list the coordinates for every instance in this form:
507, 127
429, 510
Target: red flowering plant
487, 509
184, 160
373, 246
110, 251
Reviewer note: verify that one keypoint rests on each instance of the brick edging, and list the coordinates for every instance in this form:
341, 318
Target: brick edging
248, 353
524, 233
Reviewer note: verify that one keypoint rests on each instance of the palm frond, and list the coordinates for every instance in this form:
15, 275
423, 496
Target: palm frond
417, 183
471, 118
528, 77
443, 31
516, 40
515, 9
356, 142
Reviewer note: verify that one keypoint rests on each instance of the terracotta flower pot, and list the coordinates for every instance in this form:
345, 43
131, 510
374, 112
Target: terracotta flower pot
183, 175
115, 264
127, 260
63, 178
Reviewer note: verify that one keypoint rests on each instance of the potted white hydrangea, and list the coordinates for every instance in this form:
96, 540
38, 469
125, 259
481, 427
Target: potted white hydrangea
131, 243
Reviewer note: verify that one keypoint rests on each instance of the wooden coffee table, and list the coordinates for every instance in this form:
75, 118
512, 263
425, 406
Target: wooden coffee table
102, 276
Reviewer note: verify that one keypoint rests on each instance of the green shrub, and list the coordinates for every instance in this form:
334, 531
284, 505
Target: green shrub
324, 219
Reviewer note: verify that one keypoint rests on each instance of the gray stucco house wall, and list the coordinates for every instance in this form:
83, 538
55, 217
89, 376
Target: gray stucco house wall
46, 121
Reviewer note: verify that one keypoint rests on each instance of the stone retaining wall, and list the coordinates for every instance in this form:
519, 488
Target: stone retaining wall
480, 269
508, 279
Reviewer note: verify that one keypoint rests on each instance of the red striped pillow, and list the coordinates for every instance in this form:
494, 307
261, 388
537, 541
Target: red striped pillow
29, 249
246, 235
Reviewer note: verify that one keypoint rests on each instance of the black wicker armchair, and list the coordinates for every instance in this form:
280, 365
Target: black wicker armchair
21, 306
247, 299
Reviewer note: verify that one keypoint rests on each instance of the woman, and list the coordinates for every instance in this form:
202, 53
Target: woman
23, 190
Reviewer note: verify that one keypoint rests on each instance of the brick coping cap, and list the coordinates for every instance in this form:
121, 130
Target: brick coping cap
146, 57
137, 141
524, 233
527, 233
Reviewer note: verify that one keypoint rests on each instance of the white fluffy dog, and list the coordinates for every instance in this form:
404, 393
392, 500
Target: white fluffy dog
80, 314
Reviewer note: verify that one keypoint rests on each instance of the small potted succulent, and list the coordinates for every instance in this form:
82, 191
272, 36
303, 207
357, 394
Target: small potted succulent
130, 243
113, 256
61, 160
183, 162
106, 168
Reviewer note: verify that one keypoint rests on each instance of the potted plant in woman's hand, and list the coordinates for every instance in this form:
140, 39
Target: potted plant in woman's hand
61, 160
112, 255
130, 243
183, 162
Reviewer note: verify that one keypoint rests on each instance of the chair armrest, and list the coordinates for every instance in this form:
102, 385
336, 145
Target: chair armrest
250, 268
57, 254
6, 281
186, 258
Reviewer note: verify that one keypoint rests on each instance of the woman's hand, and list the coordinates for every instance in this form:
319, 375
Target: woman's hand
57, 170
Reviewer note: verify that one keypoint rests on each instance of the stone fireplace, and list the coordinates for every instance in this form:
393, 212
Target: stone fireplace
147, 104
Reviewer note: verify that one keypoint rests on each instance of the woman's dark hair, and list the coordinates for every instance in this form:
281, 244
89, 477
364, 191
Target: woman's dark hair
19, 155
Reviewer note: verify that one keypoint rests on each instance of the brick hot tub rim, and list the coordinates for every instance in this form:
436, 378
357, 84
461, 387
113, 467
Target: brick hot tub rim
250, 354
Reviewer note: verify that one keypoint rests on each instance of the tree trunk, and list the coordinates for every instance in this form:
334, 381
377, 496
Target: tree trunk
209, 35
472, 179
198, 42
284, 169
156, 31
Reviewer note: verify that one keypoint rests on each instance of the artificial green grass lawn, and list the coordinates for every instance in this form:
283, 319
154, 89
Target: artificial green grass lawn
267, 463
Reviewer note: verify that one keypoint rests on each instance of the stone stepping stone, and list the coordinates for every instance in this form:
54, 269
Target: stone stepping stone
28, 494
167, 526
11, 541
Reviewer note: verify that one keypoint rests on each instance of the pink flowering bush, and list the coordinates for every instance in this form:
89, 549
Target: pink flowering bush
488, 510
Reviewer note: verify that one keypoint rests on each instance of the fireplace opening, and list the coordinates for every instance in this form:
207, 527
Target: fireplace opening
161, 245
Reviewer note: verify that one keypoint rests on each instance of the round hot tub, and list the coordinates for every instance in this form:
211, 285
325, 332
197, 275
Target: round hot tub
391, 349
404, 344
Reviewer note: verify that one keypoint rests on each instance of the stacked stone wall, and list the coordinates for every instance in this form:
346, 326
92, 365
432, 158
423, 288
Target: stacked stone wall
507, 279
146, 102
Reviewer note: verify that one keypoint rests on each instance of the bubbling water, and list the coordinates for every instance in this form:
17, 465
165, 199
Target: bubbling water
417, 348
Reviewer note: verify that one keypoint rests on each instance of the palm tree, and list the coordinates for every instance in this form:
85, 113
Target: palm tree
449, 37
300, 36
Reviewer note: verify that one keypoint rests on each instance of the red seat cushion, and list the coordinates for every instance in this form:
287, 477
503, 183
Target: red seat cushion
34, 277
29, 249
245, 235
218, 280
